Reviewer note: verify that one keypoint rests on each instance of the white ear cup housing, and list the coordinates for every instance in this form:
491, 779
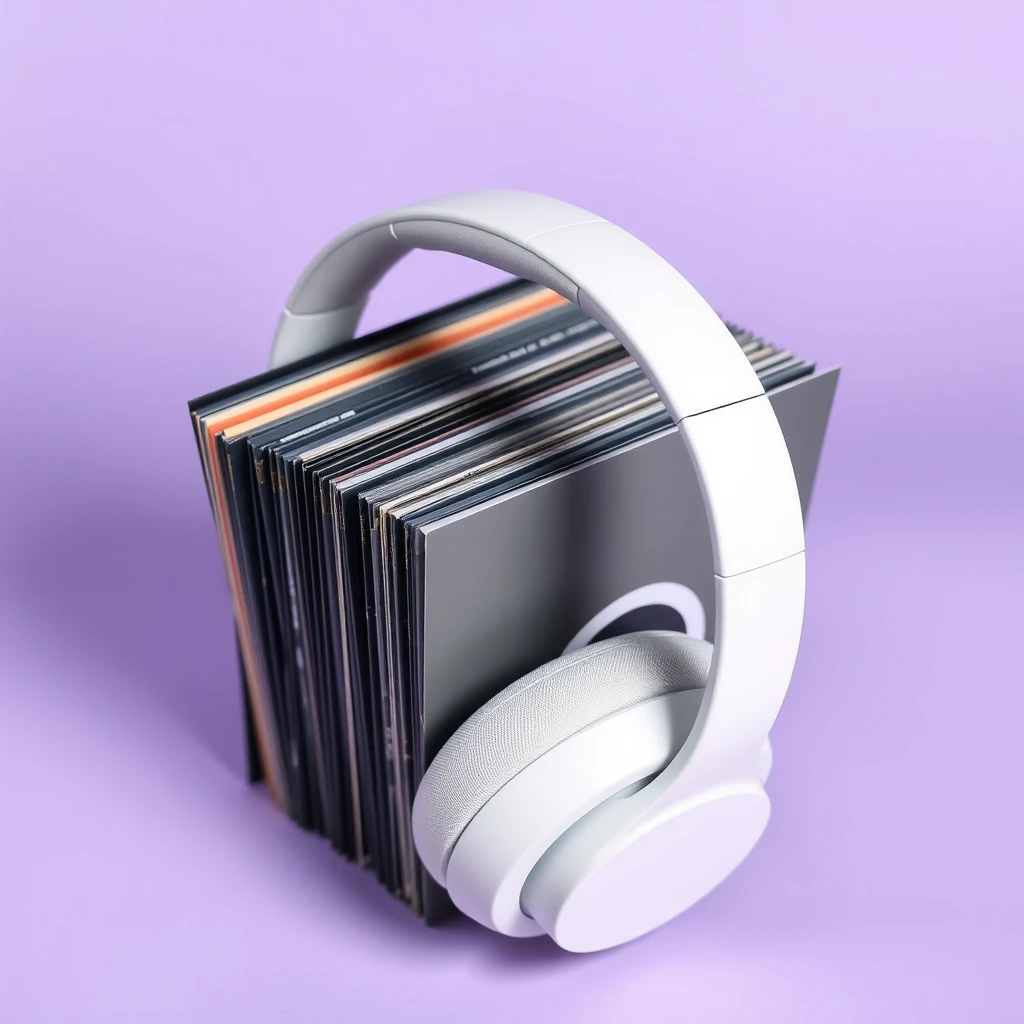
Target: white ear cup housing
542, 753
594, 889
537, 712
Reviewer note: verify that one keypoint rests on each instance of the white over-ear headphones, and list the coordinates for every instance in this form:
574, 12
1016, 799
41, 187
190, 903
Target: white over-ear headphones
607, 791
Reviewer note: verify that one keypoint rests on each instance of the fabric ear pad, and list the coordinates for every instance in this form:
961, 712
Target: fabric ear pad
536, 713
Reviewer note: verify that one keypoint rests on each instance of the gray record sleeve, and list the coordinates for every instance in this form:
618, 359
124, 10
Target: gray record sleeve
613, 546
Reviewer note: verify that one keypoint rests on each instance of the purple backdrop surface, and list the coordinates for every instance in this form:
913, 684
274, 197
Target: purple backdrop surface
845, 181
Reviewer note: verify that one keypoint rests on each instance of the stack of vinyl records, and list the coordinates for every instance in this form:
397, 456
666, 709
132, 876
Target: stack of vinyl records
411, 521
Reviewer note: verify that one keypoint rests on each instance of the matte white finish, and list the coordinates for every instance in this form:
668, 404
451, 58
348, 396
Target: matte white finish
757, 635
589, 896
671, 595
536, 714
631, 862
684, 348
301, 335
500, 846
765, 761
677, 338
749, 489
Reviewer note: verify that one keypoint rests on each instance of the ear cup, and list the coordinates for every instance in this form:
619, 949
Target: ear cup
535, 714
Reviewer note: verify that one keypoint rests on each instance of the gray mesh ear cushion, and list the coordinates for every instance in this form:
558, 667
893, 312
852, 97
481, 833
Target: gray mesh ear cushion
537, 712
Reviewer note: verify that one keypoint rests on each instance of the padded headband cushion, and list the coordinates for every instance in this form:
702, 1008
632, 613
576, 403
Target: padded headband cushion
535, 714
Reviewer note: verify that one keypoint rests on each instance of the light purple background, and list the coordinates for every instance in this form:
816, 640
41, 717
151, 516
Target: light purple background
843, 178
